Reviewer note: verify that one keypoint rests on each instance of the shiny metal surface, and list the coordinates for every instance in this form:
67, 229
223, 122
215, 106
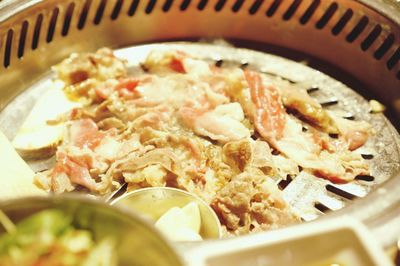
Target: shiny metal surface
340, 241
138, 243
162, 199
361, 40
360, 37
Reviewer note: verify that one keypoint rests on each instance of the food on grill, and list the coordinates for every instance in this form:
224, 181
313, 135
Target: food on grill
311, 150
250, 202
49, 238
376, 107
16, 173
224, 134
38, 137
297, 99
181, 224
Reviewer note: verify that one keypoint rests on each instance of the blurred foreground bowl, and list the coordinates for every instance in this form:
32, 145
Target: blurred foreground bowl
138, 242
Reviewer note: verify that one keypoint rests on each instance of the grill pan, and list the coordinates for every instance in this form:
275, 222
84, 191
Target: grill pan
359, 37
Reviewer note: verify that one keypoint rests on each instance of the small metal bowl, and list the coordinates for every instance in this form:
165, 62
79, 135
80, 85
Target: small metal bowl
155, 201
138, 242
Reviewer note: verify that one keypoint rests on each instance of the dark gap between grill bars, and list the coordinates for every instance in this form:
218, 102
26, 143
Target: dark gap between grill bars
22, 39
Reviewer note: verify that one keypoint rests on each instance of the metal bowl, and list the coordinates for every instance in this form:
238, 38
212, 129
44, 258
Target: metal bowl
154, 202
138, 243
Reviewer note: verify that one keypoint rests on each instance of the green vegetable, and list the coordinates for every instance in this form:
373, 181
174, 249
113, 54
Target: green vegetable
48, 238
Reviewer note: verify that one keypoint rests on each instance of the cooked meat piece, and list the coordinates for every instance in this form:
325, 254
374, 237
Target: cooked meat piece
269, 115
308, 108
164, 157
250, 197
100, 66
220, 133
285, 134
111, 122
238, 154
222, 124
354, 133
247, 153
150, 176
163, 63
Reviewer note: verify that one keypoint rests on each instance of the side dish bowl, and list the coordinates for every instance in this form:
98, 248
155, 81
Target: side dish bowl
138, 243
154, 202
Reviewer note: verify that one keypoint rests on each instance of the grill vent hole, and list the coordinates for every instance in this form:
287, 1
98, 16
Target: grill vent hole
275, 152
367, 156
365, 178
394, 59
100, 12
238, 4
220, 5
292, 9
84, 14
342, 22
329, 103
167, 5
219, 62
333, 135
117, 9
185, 4
321, 207
150, 6
273, 8
327, 16
339, 192
67, 19
7, 50
255, 7
202, 4
22, 39
312, 89
309, 12
357, 29
285, 182
244, 65
52, 25
349, 117
36, 32
133, 7
120, 191
371, 37
384, 47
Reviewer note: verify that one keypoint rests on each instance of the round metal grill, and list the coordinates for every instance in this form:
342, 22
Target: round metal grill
361, 38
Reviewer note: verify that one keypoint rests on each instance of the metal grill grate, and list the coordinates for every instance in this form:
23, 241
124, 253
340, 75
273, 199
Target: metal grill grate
310, 197
360, 37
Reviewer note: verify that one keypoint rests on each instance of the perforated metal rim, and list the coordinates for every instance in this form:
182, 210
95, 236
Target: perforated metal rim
348, 34
360, 29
